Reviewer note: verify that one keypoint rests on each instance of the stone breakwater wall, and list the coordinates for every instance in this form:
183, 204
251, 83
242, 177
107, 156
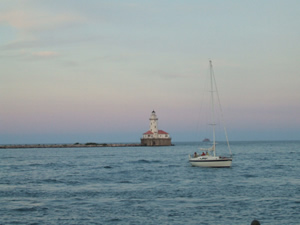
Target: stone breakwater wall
67, 146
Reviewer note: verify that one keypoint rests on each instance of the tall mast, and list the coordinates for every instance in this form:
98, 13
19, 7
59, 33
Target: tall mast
212, 106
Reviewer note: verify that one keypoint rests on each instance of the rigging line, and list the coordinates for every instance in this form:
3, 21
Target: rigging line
212, 106
222, 116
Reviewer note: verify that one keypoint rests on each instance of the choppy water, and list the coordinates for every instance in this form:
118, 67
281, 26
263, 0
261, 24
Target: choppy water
150, 185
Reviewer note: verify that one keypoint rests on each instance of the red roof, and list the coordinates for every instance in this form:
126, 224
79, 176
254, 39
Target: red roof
159, 132
162, 132
148, 132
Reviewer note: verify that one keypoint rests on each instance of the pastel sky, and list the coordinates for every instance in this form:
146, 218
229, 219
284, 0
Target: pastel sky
79, 71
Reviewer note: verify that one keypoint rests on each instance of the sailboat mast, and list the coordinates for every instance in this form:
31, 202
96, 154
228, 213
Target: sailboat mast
212, 106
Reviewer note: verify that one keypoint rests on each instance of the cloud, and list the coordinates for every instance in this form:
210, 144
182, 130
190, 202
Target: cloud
30, 20
45, 54
24, 54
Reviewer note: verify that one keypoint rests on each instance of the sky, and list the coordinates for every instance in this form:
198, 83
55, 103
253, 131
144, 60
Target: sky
82, 71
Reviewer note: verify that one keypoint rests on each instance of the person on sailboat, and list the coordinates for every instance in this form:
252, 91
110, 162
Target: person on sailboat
202, 154
195, 155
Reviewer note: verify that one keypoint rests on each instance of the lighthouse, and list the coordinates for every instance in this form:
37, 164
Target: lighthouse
153, 124
154, 136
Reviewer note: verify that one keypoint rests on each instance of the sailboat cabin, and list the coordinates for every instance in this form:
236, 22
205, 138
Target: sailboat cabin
154, 136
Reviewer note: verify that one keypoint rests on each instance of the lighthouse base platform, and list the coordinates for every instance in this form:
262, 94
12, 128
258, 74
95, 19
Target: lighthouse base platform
156, 141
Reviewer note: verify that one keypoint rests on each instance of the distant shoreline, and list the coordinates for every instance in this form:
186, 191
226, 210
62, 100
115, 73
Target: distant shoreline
76, 145
92, 144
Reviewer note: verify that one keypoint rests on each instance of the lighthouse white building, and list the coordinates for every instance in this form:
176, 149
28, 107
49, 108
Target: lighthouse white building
154, 136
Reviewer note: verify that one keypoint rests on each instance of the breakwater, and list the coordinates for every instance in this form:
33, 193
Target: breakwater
76, 145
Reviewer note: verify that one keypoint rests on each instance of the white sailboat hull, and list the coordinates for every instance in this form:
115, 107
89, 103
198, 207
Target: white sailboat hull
211, 161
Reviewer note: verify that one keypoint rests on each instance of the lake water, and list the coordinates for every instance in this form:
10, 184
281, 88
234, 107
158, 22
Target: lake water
150, 185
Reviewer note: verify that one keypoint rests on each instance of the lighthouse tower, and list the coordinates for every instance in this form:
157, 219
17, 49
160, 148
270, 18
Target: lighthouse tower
154, 136
153, 124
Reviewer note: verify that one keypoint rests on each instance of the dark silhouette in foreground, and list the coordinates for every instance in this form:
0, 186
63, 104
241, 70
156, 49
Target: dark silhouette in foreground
255, 222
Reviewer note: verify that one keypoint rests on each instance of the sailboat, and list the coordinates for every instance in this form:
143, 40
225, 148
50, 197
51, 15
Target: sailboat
210, 159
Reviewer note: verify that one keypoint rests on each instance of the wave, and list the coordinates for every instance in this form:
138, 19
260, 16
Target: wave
125, 182
31, 209
107, 167
146, 161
